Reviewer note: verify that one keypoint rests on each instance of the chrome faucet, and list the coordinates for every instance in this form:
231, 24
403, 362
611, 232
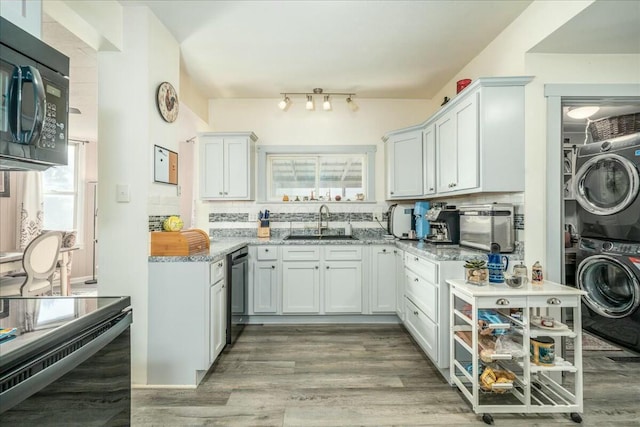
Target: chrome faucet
322, 226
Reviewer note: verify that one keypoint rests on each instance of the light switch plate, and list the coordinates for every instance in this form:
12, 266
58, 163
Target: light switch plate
123, 194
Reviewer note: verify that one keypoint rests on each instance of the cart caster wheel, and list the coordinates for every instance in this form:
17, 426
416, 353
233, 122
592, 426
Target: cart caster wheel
576, 418
487, 418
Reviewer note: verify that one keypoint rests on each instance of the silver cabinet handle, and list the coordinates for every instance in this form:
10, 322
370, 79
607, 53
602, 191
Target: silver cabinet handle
431, 189
395, 251
391, 192
273, 266
384, 250
415, 279
554, 301
502, 301
316, 267
223, 286
220, 264
416, 259
266, 250
226, 193
327, 267
220, 193
415, 312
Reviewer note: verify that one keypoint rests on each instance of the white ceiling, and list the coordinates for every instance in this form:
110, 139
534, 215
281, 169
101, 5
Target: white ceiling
395, 49
381, 49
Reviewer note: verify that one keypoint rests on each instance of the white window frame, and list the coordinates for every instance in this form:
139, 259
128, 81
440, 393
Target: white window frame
78, 193
316, 150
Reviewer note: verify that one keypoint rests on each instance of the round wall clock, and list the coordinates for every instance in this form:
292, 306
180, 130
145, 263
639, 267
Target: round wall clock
167, 100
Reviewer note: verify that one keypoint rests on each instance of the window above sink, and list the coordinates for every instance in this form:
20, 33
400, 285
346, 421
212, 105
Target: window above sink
316, 173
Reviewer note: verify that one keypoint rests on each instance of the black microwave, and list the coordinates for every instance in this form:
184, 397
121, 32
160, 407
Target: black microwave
35, 101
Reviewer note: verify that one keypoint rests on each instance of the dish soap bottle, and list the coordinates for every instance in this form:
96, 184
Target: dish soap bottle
536, 274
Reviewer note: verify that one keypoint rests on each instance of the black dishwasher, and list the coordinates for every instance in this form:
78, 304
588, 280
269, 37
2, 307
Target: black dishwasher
238, 280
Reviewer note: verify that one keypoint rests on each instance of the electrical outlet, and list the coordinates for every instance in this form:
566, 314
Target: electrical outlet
377, 214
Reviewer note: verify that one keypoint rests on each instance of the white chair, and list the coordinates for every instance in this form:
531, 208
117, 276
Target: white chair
39, 262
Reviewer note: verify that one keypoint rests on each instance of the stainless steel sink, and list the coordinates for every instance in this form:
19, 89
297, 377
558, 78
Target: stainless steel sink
318, 237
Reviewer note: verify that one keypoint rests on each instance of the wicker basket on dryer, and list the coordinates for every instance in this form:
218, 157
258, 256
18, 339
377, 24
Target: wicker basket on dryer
612, 127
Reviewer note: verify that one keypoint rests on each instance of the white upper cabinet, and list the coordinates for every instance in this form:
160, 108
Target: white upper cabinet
227, 165
457, 147
403, 151
429, 160
473, 144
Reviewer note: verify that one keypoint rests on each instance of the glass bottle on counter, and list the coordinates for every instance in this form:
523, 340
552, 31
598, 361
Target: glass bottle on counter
536, 274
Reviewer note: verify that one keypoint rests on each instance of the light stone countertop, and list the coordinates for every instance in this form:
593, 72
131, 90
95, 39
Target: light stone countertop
220, 247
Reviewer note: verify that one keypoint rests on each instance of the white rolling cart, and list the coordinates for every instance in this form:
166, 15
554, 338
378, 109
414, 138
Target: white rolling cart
491, 362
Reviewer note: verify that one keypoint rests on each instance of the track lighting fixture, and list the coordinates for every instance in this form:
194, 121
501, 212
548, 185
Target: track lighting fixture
309, 105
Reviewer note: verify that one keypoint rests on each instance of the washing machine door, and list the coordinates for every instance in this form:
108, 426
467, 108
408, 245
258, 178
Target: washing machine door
606, 184
613, 290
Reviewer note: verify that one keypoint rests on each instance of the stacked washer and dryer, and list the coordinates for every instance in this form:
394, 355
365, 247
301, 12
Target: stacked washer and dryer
607, 189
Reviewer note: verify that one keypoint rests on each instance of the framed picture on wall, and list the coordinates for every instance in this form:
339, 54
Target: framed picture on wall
4, 184
165, 165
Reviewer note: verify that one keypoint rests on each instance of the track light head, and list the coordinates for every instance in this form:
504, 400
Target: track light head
284, 103
326, 105
352, 104
309, 104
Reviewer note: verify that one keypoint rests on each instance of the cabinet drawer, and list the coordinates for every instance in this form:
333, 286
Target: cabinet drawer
502, 302
427, 269
422, 329
301, 253
551, 301
423, 294
343, 253
267, 253
217, 271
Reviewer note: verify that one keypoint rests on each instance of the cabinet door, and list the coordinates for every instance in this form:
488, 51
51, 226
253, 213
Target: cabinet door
236, 168
300, 287
265, 291
212, 168
343, 287
383, 280
424, 330
467, 134
400, 283
429, 160
406, 167
218, 319
446, 153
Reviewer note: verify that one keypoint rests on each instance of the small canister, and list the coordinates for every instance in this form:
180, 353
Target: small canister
542, 350
521, 270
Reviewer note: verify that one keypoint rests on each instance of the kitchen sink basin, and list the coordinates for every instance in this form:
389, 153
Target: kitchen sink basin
319, 237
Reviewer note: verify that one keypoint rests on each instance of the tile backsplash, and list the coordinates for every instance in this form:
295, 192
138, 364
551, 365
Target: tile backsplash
240, 219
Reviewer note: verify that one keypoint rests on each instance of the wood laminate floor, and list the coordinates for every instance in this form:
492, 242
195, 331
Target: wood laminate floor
358, 375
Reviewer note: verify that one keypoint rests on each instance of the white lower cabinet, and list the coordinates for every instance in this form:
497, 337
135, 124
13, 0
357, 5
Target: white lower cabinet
187, 320
400, 283
265, 287
325, 279
383, 279
218, 319
300, 287
342, 286
423, 329
427, 305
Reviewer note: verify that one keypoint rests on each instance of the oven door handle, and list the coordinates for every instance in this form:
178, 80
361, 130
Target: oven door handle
22, 75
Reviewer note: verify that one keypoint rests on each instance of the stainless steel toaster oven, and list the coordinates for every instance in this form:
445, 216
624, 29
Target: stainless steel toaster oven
482, 225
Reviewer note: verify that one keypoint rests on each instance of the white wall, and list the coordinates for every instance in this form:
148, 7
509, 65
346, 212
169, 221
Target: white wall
129, 126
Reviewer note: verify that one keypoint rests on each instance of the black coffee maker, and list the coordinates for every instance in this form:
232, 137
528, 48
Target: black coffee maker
445, 225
